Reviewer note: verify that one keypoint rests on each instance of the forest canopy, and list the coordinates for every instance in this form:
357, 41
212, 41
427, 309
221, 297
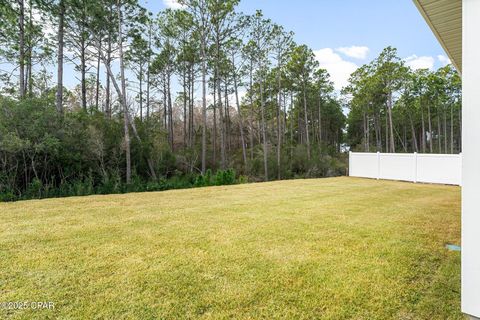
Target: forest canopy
196, 96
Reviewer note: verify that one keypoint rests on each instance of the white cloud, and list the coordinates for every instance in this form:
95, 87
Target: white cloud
357, 52
443, 60
339, 69
424, 62
172, 4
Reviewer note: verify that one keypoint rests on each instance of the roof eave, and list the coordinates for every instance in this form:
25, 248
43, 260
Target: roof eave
437, 35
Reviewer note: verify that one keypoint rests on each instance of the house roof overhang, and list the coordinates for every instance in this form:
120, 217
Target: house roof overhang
444, 17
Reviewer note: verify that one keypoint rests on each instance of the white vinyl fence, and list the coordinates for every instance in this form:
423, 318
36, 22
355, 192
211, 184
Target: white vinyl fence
415, 167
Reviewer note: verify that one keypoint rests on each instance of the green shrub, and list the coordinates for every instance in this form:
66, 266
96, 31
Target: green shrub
225, 177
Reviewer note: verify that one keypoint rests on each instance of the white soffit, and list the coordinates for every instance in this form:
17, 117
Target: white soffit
445, 19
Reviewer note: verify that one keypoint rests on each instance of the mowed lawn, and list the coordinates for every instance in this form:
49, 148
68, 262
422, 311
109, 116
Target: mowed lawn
336, 248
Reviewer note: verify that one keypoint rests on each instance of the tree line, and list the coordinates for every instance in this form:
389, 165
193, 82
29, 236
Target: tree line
162, 100
393, 108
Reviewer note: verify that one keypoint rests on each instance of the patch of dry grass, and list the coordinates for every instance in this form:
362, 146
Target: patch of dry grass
336, 248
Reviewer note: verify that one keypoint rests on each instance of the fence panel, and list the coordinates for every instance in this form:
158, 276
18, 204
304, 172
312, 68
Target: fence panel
396, 166
445, 168
429, 168
363, 165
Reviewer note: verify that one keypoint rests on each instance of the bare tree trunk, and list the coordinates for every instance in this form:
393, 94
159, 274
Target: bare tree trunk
364, 131
414, 137
445, 139
140, 93
59, 95
291, 129
424, 146
228, 129
83, 71
386, 132
240, 117
148, 67
21, 48
123, 96
184, 74
29, 51
284, 118
165, 102
264, 134
97, 85
378, 134
214, 135
306, 120
430, 140
390, 120
451, 128
439, 129
221, 123
108, 106
190, 113
320, 124
368, 132
123, 101
250, 118
170, 112
204, 105
279, 136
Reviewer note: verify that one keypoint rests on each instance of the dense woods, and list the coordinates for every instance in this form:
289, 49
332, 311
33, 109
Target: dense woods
396, 109
195, 96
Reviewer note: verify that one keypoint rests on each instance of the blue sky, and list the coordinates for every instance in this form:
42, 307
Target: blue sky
348, 33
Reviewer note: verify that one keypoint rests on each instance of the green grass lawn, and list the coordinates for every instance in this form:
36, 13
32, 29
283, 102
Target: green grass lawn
337, 248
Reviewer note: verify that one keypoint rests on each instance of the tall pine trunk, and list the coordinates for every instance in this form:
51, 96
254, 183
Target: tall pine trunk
21, 48
204, 104
29, 75
390, 121
414, 137
430, 140
140, 93
214, 134
83, 71
170, 112
451, 128
250, 118
424, 145
221, 123
320, 124
439, 129
445, 139
148, 67
279, 136
59, 95
240, 118
307, 137
108, 106
184, 74
123, 97
97, 85
264, 134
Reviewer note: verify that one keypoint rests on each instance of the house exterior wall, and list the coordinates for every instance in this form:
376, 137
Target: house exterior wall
471, 158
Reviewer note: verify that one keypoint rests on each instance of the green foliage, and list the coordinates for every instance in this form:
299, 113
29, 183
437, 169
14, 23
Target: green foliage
79, 146
225, 177
395, 108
